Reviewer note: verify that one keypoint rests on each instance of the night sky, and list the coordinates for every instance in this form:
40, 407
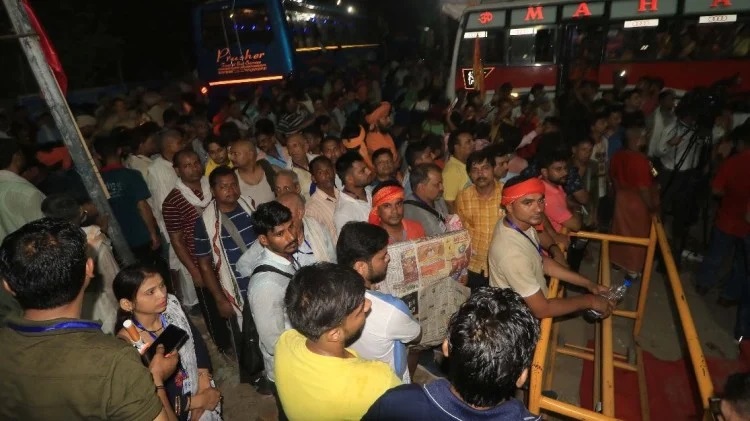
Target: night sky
104, 42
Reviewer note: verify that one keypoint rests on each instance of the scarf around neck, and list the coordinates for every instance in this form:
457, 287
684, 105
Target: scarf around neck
193, 198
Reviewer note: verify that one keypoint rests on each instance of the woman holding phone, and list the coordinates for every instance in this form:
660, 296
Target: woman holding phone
143, 298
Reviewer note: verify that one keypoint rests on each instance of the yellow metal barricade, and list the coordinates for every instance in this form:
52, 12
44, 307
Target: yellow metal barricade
602, 355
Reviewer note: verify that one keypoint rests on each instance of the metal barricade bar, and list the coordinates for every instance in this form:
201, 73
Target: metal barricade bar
603, 356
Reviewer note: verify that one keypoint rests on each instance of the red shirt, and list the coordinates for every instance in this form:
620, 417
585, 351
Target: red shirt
180, 216
733, 181
630, 170
556, 208
412, 230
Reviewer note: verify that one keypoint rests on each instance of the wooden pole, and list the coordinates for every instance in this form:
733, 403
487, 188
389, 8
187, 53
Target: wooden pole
697, 358
66, 124
608, 368
646, 281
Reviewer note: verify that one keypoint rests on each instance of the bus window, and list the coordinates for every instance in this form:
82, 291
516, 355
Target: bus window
741, 44
531, 46
491, 49
712, 41
226, 27
641, 43
584, 43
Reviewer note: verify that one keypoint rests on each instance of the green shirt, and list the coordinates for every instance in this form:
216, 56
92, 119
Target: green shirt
67, 374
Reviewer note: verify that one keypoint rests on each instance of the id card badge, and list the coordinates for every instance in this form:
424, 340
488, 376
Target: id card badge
187, 384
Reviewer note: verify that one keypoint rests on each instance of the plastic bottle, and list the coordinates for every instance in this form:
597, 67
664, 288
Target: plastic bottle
615, 294
135, 337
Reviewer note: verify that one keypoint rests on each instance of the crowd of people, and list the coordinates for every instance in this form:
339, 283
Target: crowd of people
272, 220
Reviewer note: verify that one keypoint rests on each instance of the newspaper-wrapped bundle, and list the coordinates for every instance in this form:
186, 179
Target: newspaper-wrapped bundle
429, 275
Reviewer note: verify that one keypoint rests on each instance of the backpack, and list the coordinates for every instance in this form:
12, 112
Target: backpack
250, 356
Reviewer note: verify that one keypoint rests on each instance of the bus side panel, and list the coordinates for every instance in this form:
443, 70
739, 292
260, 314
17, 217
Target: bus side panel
521, 77
679, 75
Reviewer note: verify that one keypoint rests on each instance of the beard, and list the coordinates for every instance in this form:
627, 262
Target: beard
560, 181
375, 278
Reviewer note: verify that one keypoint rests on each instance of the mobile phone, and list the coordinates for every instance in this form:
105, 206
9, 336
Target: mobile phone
172, 338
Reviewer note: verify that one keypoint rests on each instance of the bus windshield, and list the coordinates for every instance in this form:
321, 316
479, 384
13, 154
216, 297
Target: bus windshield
239, 43
246, 26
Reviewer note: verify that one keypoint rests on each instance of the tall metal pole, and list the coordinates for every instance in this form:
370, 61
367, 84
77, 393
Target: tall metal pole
66, 124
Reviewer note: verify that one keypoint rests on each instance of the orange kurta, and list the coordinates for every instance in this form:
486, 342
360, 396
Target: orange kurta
630, 172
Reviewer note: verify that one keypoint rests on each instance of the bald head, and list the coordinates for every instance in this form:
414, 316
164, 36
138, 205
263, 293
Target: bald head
170, 142
295, 203
242, 153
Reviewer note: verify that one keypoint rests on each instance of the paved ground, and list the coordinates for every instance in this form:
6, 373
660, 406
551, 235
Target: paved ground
660, 335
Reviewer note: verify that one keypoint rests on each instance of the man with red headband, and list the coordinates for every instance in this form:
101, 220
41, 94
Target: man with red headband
517, 261
388, 212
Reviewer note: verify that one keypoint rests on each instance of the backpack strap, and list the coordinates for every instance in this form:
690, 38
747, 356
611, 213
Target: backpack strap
269, 171
269, 268
424, 206
233, 232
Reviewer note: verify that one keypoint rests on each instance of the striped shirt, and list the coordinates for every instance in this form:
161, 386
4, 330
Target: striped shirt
180, 216
244, 225
321, 207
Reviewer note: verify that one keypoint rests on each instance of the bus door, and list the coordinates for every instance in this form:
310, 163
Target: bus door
580, 52
582, 38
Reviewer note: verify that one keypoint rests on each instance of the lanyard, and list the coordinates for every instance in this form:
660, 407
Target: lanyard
355, 195
309, 247
140, 326
515, 227
57, 326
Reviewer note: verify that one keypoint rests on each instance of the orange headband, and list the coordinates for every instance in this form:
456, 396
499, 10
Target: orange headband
383, 196
355, 142
379, 113
515, 192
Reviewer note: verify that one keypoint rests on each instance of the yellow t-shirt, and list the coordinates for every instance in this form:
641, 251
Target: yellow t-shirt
455, 178
317, 387
211, 165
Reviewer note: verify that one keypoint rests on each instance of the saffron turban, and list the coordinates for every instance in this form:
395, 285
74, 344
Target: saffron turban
383, 111
517, 191
383, 196
355, 142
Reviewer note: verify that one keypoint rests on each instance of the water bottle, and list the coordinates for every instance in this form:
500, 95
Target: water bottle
615, 294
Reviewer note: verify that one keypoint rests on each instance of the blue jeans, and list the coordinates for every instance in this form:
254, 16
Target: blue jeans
724, 246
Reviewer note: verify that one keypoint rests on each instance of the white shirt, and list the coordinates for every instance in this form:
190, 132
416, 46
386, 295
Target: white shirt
20, 202
265, 295
161, 179
388, 327
140, 163
351, 209
672, 156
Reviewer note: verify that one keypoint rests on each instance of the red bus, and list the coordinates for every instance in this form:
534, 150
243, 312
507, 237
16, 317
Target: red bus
687, 43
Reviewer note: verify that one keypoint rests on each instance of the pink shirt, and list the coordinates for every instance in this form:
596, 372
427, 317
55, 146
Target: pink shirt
556, 207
